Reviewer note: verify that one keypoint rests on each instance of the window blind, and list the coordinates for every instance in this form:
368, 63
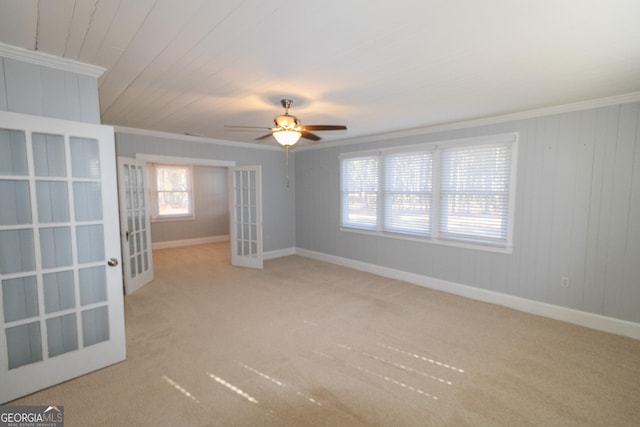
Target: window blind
360, 192
474, 198
408, 187
453, 192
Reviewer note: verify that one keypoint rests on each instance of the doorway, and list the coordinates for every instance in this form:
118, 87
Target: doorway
241, 205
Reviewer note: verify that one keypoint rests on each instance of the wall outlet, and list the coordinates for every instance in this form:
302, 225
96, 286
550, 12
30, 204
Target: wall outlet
564, 282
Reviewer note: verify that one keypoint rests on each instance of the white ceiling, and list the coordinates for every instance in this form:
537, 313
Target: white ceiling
193, 66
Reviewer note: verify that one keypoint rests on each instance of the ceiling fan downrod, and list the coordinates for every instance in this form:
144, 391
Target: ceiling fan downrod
286, 103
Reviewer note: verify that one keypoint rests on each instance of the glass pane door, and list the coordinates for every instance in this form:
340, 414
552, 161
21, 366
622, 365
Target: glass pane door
60, 300
246, 216
134, 218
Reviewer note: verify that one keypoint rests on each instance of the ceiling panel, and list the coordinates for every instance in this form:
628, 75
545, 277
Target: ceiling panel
101, 22
83, 19
125, 24
169, 67
18, 23
54, 22
196, 65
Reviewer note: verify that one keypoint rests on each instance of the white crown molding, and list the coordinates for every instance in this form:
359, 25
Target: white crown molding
522, 115
193, 138
47, 60
565, 314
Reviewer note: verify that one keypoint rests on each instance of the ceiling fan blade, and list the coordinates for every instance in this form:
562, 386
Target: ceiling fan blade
309, 135
324, 127
263, 137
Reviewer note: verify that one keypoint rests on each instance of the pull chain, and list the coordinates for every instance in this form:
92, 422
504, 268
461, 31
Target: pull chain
287, 164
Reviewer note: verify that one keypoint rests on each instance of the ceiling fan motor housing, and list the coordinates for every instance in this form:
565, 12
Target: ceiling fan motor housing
286, 121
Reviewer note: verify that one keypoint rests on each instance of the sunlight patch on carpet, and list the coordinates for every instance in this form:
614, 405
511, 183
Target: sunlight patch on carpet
424, 358
406, 368
262, 374
310, 399
396, 382
279, 383
180, 388
232, 388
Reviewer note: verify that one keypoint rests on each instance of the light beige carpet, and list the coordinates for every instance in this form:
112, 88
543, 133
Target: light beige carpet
308, 343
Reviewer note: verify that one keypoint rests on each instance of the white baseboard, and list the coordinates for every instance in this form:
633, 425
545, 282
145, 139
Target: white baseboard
582, 318
189, 242
213, 239
278, 253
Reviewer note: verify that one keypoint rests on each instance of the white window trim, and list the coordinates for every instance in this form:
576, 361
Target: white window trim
383, 182
435, 238
375, 155
153, 196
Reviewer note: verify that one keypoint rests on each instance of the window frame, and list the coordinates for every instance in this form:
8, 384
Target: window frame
344, 214
385, 192
435, 237
154, 198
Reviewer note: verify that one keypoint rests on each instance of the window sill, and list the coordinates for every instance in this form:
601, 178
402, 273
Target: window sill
431, 240
173, 218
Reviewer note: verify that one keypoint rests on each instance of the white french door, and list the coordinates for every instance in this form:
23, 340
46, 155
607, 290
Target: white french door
245, 191
61, 301
135, 224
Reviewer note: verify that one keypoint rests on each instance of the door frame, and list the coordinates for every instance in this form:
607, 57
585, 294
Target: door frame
157, 158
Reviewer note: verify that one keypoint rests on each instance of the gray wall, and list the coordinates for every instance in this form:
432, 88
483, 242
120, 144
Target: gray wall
35, 89
278, 216
577, 214
210, 208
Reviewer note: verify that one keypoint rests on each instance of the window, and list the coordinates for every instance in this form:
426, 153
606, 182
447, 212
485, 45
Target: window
171, 191
475, 193
360, 192
458, 191
407, 193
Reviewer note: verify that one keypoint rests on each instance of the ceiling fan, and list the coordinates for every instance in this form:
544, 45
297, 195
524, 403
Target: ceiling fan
288, 129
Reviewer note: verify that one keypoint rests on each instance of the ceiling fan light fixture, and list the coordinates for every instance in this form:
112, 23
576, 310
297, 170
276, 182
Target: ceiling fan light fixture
286, 138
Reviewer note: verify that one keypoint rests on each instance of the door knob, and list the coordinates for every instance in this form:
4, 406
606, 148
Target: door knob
112, 262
